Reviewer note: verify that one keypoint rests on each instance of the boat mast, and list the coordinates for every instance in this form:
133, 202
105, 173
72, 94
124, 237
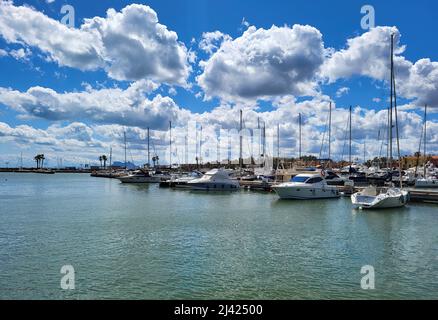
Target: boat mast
124, 138
391, 101
330, 135
200, 147
241, 142
350, 140
170, 144
278, 143
425, 131
149, 150
218, 151
395, 110
111, 158
260, 136
299, 136
187, 149
264, 141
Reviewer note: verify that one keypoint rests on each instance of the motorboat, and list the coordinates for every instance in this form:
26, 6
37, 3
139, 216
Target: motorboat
140, 176
371, 198
306, 186
181, 182
333, 179
430, 182
214, 180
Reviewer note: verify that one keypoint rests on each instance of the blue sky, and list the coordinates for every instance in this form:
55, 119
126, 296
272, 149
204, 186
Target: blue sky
210, 90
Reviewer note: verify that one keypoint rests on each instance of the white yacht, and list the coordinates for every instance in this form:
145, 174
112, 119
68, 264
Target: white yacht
370, 198
140, 176
306, 186
214, 180
430, 182
181, 182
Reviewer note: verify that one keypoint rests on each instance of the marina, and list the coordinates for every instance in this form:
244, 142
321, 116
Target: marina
159, 151
144, 242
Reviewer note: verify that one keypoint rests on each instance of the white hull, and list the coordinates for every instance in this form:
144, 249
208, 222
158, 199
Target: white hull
213, 186
303, 193
380, 201
426, 183
214, 180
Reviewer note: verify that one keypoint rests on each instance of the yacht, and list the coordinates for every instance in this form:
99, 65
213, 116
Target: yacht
181, 182
214, 180
430, 182
370, 198
140, 176
306, 186
333, 178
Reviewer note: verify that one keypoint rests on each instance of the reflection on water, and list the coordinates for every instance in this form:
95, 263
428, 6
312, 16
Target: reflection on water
139, 241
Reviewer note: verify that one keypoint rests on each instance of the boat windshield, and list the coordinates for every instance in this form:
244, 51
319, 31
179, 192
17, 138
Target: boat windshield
299, 179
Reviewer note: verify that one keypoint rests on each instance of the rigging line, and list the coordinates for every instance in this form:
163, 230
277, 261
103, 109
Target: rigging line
382, 138
248, 144
323, 137
345, 141
419, 149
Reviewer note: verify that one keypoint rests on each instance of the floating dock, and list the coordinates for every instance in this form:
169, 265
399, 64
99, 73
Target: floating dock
425, 196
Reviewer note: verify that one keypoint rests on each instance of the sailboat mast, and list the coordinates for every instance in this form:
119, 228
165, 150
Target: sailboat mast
264, 140
330, 135
396, 113
299, 136
350, 140
278, 142
170, 144
240, 142
124, 138
424, 138
364, 151
260, 136
200, 147
149, 150
187, 150
391, 101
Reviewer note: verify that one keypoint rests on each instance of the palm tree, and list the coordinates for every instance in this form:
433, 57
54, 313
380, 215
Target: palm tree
155, 159
100, 159
37, 160
104, 159
42, 160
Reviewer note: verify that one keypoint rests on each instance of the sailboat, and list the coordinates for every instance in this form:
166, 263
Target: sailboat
370, 197
427, 181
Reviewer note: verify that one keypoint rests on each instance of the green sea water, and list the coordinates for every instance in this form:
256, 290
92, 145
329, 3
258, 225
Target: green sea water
143, 242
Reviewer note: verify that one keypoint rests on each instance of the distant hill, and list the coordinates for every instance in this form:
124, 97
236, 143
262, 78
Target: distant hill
129, 165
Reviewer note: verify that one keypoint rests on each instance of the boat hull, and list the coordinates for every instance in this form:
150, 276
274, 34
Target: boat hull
371, 202
426, 184
300, 193
219, 186
139, 179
